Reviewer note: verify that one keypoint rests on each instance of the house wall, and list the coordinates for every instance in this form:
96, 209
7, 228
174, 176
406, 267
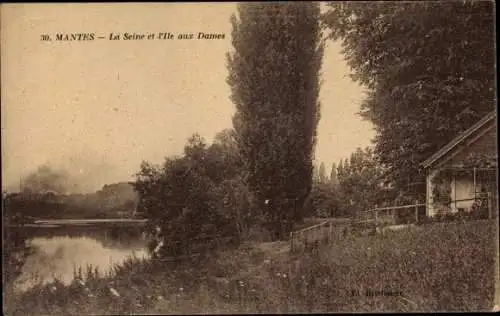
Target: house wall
463, 186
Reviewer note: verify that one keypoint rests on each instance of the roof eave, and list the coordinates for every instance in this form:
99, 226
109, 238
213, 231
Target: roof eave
456, 141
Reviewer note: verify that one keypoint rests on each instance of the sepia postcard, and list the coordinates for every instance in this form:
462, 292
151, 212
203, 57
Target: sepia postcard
249, 157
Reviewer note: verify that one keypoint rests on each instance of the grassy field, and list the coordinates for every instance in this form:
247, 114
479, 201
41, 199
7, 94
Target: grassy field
437, 267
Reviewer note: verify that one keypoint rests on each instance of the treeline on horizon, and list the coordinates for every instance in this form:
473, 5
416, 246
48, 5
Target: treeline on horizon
116, 200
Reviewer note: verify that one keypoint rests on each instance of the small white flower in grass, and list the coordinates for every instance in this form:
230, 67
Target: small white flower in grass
278, 274
252, 290
181, 289
267, 261
157, 248
53, 288
284, 275
159, 297
114, 292
241, 283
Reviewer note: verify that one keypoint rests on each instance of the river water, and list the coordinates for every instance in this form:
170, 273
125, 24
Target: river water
59, 251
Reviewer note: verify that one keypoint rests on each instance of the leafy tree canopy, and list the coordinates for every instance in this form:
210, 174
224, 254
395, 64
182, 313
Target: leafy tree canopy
429, 68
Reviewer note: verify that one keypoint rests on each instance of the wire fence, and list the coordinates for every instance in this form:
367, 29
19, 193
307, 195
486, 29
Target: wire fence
309, 238
394, 215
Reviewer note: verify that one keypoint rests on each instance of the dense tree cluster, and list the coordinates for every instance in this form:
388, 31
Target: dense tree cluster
354, 186
360, 180
196, 201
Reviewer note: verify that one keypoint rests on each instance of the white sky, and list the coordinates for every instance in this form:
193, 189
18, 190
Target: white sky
100, 107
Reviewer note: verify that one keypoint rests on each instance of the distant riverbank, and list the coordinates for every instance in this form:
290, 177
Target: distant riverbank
97, 221
100, 221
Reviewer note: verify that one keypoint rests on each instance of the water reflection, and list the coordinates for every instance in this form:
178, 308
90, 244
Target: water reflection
57, 251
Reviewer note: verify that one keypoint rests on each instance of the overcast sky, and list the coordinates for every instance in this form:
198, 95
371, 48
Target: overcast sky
100, 107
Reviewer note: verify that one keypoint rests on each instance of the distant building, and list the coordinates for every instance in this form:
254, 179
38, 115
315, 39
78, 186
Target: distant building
464, 171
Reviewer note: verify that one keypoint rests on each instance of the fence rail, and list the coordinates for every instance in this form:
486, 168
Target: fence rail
412, 214
309, 237
332, 229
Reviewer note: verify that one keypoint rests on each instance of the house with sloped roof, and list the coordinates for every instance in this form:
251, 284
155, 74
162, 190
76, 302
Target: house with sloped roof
462, 174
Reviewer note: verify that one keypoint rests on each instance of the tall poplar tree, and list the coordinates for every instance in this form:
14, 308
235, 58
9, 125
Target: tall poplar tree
274, 79
322, 173
333, 176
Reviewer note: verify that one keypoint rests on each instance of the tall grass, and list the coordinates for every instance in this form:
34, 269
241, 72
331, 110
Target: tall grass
443, 267
438, 267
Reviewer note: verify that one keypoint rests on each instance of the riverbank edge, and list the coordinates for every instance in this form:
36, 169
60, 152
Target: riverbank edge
436, 268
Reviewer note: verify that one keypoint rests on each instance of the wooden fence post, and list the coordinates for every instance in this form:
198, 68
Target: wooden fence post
490, 206
302, 240
326, 233
416, 211
330, 231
